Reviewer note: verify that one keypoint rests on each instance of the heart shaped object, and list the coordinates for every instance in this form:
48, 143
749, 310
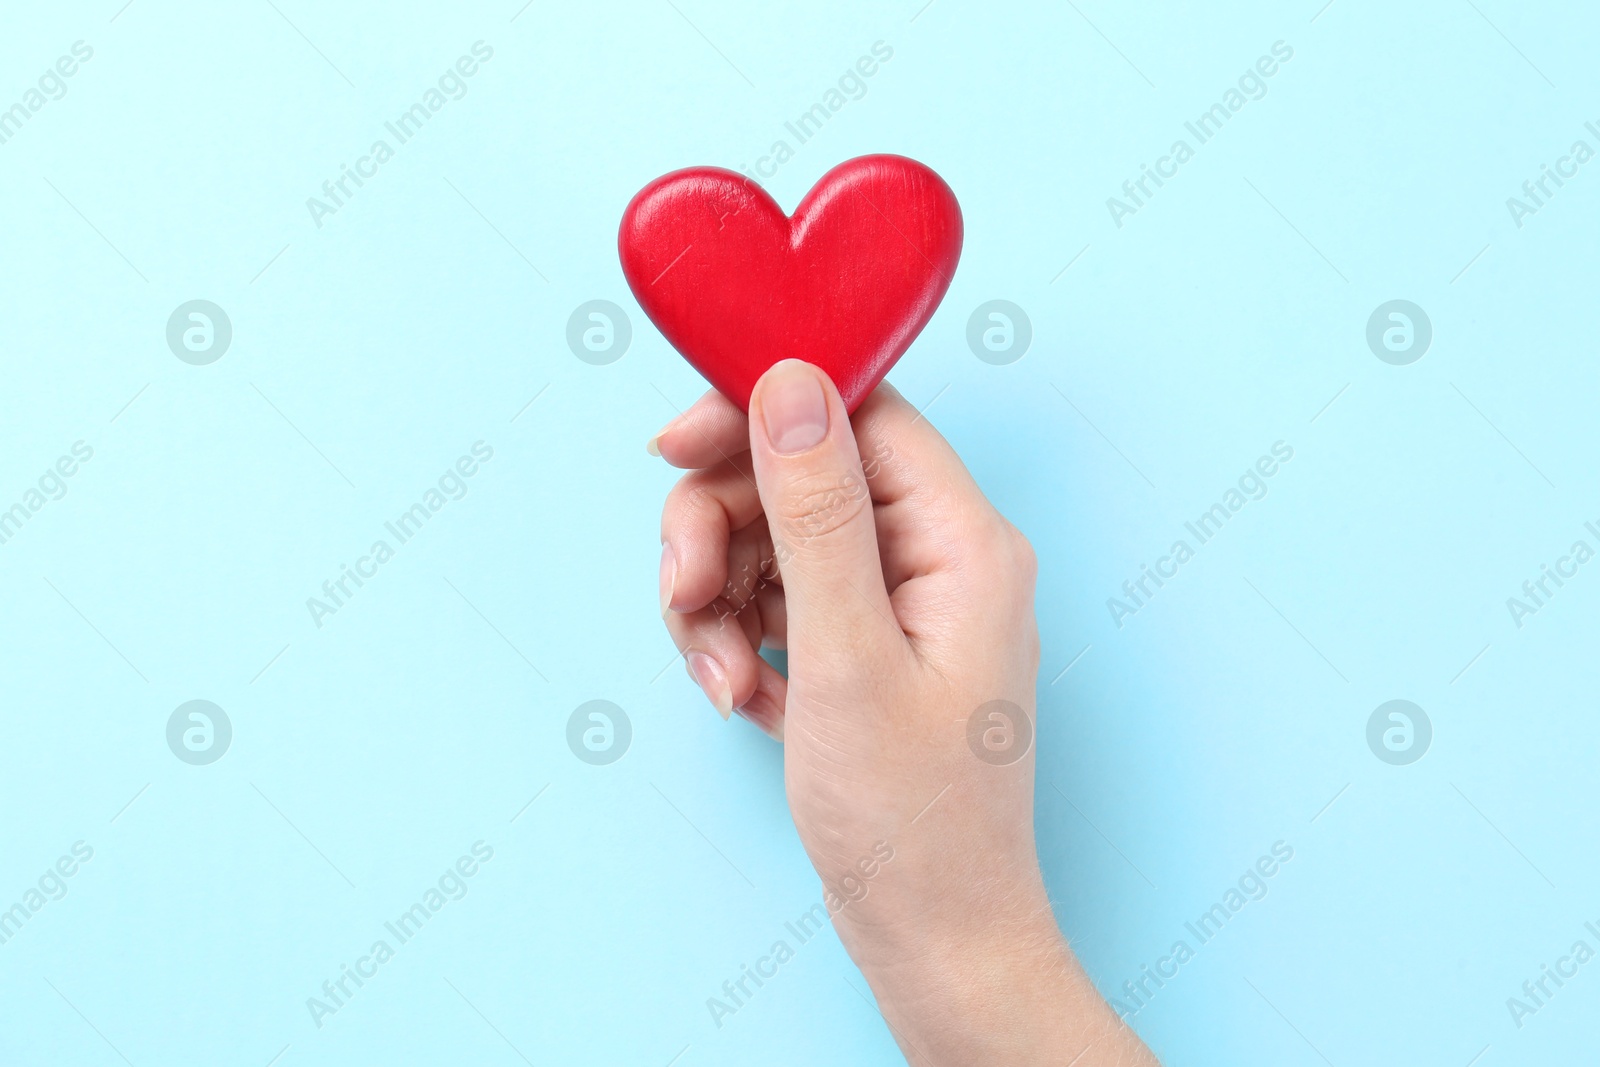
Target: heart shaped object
846, 284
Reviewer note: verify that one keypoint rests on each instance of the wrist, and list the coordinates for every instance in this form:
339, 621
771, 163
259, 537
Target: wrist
968, 989
1007, 990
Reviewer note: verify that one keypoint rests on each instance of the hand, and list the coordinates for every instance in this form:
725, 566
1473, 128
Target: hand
906, 604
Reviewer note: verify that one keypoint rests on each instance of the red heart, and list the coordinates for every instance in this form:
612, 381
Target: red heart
846, 284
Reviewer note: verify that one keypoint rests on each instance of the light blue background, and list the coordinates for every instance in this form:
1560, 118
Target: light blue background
371, 353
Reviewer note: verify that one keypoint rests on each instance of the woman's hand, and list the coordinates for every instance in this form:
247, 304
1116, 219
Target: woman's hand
905, 602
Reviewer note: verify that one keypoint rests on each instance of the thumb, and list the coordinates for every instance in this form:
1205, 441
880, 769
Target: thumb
808, 471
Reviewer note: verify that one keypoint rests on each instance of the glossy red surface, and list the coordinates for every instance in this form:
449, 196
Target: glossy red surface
847, 283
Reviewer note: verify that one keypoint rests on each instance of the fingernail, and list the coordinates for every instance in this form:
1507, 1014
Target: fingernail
774, 731
793, 408
669, 576
653, 446
707, 673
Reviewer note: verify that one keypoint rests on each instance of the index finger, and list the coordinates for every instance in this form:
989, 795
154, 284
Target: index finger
712, 431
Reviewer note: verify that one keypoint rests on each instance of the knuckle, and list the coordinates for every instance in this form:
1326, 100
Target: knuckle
1024, 559
817, 506
1006, 558
1033, 649
692, 497
877, 451
741, 589
693, 506
678, 497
